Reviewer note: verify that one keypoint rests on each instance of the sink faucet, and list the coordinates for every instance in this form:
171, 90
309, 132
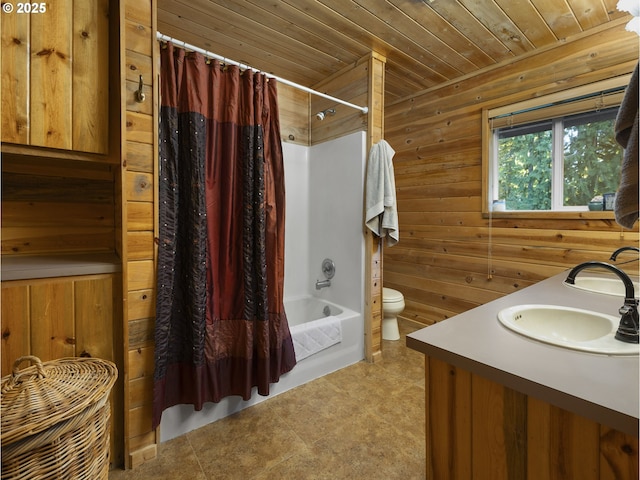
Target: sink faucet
322, 283
615, 254
628, 327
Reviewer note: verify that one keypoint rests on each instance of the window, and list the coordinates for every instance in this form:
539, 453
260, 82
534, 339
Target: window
552, 154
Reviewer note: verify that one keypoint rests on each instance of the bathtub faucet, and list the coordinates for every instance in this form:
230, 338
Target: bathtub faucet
322, 283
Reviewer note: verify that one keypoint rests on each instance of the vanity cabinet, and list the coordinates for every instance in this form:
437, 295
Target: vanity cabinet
502, 406
55, 74
479, 429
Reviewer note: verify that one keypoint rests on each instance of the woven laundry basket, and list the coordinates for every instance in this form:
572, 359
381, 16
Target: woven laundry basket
55, 419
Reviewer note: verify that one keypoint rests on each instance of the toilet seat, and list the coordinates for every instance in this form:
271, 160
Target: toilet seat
389, 295
392, 305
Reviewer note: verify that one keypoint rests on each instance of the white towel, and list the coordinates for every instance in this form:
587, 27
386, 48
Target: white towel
381, 215
312, 337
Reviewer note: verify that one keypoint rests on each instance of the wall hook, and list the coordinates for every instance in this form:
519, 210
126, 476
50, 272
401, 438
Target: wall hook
140, 96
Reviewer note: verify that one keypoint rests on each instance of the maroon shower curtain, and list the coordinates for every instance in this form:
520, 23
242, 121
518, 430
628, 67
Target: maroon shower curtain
220, 327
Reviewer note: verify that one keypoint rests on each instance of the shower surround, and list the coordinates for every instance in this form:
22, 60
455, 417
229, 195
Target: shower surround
324, 219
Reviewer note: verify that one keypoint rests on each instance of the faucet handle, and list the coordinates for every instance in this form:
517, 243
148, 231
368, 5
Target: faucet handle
628, 328
626, 309
328, 268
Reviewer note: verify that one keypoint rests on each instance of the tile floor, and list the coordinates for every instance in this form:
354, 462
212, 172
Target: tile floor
365, 421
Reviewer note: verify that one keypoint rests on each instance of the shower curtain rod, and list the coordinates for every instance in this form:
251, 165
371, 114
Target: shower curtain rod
166, 38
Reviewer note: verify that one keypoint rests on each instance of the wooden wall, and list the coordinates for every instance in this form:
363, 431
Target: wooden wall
295, 120
54, 206
450, 258
361, 84
349, 84
139, 206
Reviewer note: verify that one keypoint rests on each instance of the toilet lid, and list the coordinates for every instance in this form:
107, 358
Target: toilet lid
391, 295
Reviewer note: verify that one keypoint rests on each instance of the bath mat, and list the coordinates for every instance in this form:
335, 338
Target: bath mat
313, 337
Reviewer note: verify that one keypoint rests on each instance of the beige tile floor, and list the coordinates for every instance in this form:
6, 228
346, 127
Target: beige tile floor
365, 421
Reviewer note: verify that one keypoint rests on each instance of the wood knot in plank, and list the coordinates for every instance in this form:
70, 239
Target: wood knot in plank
47, 52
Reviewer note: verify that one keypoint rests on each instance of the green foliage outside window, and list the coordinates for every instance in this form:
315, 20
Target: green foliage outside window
591, 161
524, 167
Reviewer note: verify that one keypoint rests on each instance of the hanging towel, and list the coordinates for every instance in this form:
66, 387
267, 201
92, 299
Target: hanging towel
313, 337
626, 130
381, 215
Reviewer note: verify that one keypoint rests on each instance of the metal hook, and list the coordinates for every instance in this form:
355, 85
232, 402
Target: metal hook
140, 96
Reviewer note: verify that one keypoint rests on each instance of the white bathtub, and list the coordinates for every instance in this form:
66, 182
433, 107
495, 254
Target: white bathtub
306, 309
324, 185
181, 419
350, 350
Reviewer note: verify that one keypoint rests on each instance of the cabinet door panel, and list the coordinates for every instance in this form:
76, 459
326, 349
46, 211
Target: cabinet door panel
52, 324
95, 317
499, 417
15, 81
561, 444
51, 75
449, 418
618, 455
90, 75
15, 325
55, 76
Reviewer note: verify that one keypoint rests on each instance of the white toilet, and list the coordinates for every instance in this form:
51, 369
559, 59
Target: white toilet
392, 306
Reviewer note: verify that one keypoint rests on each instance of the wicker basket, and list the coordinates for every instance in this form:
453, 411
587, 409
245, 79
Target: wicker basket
55, 419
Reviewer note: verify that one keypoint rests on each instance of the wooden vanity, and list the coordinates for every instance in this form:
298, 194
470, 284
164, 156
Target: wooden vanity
502, 406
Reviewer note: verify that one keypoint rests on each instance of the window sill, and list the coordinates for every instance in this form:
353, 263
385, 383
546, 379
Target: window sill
586, 214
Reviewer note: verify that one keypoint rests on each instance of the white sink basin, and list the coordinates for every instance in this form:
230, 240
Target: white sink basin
567, 327
608, 286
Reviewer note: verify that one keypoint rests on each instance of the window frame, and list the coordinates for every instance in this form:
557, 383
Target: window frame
559, 104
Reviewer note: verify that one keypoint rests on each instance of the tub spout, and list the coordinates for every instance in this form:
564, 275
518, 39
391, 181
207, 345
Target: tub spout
628, 328
322, 283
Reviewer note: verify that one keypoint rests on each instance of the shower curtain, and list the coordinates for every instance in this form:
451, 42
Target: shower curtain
220, 327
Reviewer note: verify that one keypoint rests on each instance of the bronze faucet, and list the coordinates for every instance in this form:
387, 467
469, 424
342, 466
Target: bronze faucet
628, 327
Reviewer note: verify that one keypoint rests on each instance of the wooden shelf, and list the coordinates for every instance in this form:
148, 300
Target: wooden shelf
22, 267
15, 150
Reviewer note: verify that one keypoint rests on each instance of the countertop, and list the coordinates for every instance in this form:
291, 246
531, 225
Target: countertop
602, 388
22, 267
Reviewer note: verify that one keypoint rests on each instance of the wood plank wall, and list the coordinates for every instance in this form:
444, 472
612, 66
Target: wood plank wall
54, 206
295, 118
442, 263
139, 194
349, 84
361, 84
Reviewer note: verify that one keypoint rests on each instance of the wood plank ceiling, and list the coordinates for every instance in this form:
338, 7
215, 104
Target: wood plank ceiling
426, 42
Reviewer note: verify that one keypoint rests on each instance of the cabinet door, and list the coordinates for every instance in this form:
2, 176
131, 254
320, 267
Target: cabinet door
66, 317
58, 317
55, 73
